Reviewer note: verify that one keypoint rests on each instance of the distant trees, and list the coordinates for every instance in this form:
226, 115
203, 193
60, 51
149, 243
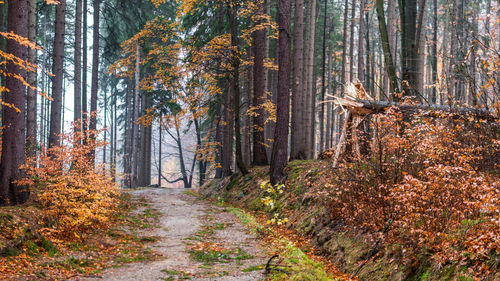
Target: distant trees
233, 64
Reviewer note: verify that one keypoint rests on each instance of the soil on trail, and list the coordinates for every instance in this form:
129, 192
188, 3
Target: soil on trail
196, 241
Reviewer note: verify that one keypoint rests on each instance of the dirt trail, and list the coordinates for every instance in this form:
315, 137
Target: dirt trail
185, 222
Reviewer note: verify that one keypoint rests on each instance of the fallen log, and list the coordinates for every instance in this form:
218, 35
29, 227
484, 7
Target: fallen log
372, 107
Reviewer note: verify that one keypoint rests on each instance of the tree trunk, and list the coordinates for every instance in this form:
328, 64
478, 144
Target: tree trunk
227, 138
127, 155
220, 141
245, 118
388, 60
135, 115
387, 92
297, 149
84, 71
434, 59
361, 42
351, 43
58, 71
13, 137
159, 150
309, 93
95, 72
78, 65
344, 46
323, 83
329, 113
235, 81
105, 127
32, 94
259, 146
280, 144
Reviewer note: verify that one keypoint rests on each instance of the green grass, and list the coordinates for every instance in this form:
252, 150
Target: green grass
254, 268
208, 257
175, 275
299, 266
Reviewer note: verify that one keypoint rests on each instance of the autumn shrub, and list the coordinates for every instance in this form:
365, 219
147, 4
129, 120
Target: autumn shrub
438, 176
75, 195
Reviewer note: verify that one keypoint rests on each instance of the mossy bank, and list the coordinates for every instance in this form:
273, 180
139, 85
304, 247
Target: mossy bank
345, 246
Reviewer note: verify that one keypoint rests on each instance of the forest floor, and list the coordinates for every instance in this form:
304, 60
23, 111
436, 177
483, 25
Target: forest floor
195, 239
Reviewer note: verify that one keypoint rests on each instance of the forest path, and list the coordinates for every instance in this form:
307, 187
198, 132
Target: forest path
188, 229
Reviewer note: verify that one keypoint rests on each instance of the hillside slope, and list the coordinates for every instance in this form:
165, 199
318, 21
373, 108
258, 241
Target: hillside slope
306, 204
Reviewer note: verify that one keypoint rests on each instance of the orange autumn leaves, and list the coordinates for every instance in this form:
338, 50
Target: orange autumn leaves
437, 177
73, 193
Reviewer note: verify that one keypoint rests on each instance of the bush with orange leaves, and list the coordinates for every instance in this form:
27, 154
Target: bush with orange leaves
438, 176
75, 196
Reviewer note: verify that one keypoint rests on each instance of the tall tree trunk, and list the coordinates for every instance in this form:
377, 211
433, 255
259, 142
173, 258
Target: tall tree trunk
32, 94
227, 137
235, 81
344, 47
361, 43
78, 65
297, 149
58, 71
259, 146
387, 92
13, 137
105, 127
310, 94
127, 155
420, 51
280, 144
159, 150
411, 28
388, 60
219, 140
351, 43
135, 115
246, 120
141, 165
323, 82
329, 113
84, 73
95, 71
434, 59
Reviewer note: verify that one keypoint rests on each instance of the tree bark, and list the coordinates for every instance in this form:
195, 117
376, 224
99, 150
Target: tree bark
259, 146
246, 120
78, 66
135, 116
58, 71
361, 43
309, 93
13, 137
323, 82
95, 72
32, 94
235, 81
344, 46
84, 71
351, 43
434, 59
227, 137
388, 60
159, 151
297, 149
280, 144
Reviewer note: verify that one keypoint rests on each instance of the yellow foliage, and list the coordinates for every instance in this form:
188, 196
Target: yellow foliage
76, 196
